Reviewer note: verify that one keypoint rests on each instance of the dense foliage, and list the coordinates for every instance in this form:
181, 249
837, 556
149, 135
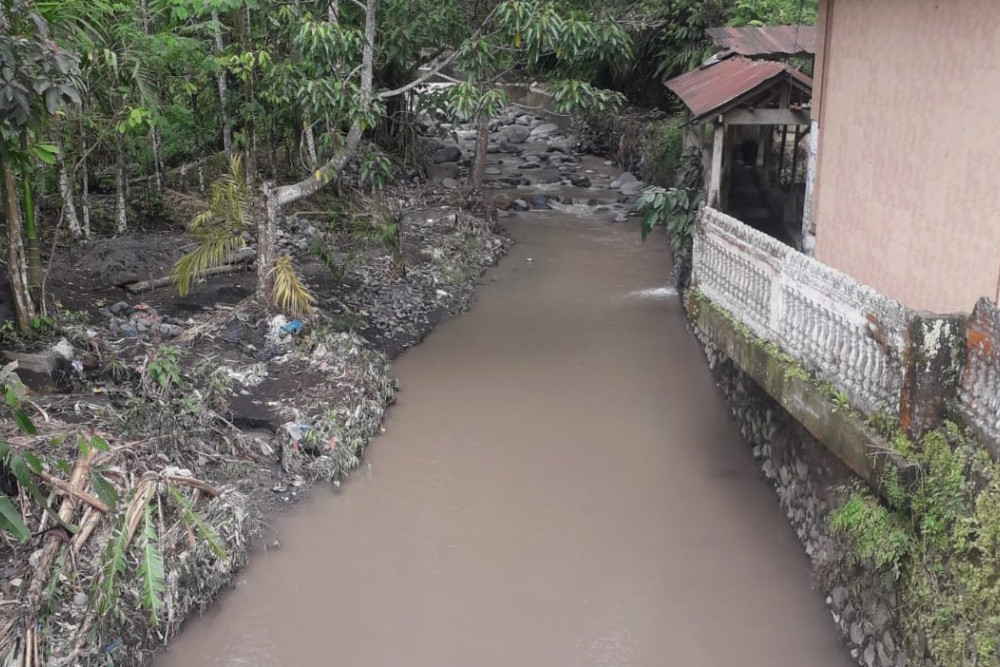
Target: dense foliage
107, 105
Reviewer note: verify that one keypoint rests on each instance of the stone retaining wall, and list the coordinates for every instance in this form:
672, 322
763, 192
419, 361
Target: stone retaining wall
807, 478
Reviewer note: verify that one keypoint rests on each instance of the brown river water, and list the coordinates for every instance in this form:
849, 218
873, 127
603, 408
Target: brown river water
560, 485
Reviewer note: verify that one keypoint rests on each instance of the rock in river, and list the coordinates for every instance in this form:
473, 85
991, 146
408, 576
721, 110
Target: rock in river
517, 134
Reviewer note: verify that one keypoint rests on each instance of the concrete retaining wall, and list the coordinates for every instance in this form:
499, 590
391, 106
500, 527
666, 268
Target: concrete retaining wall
807, 476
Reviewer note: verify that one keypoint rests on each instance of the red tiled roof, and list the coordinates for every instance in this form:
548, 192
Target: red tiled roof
768, 42
711, 88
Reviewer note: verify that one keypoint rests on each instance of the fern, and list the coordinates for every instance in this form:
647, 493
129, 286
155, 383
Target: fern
204, 529
151, 574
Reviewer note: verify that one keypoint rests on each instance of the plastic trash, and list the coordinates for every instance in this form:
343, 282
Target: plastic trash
293, 327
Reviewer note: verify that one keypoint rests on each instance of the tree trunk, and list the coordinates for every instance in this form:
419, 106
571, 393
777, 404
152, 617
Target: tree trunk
31, 236
310, 142
66, 192
334, 11
269, 211
85, 182
24, 308
154, 142
121, 218
227, 128
478, 175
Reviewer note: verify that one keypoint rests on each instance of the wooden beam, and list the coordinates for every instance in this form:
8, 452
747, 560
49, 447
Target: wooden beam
766, 117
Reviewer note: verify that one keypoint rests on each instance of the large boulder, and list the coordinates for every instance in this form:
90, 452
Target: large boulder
517, 134
544, 130
632, 188
626, 177
447, 153
438, 172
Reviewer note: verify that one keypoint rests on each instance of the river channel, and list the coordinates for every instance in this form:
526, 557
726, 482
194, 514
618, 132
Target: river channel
559, 485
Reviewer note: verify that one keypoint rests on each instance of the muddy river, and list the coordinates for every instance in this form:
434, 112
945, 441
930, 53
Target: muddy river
560, 485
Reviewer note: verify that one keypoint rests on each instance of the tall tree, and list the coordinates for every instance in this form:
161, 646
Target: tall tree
40, 77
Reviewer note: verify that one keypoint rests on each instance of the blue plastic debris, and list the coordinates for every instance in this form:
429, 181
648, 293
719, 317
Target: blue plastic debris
113, 646
293, 327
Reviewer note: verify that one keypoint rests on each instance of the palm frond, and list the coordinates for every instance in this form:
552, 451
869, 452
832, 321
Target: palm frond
204, 529
219, 225
114, 565
211, 252
151, 572
290, 294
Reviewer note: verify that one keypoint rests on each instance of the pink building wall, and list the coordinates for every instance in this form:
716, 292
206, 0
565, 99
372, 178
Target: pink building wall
908, 170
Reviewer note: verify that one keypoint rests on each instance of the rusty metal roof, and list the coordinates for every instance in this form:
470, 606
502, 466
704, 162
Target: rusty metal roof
770, 42
717, 87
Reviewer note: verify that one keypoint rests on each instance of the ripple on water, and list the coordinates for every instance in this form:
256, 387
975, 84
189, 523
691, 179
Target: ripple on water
654, 293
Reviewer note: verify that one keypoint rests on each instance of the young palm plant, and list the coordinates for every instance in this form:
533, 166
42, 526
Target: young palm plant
221, 226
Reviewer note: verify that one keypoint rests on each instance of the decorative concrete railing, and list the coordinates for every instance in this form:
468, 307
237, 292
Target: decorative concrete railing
846, 333
979, 382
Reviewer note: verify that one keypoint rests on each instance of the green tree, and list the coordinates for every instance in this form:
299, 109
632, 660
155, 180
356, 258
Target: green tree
37, 79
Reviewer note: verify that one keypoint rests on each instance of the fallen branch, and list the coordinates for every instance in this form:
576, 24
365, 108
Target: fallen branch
145, 285
204, 487
91, 519
79, 493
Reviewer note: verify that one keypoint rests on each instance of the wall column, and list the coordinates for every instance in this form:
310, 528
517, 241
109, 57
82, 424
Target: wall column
808, 224
715, 178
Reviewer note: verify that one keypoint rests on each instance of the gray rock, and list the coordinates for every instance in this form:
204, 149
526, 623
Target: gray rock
492, 171
626, 177
532, 158
580, 181
449, 183
438, 172
839, 597
517, 134
120, 308
631, 189
529, 165
449, 153
884, 657
81, 599
857, 634
621, 217
513, 149
545, 129
524, 120
520, 205
881, 618
870, 655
